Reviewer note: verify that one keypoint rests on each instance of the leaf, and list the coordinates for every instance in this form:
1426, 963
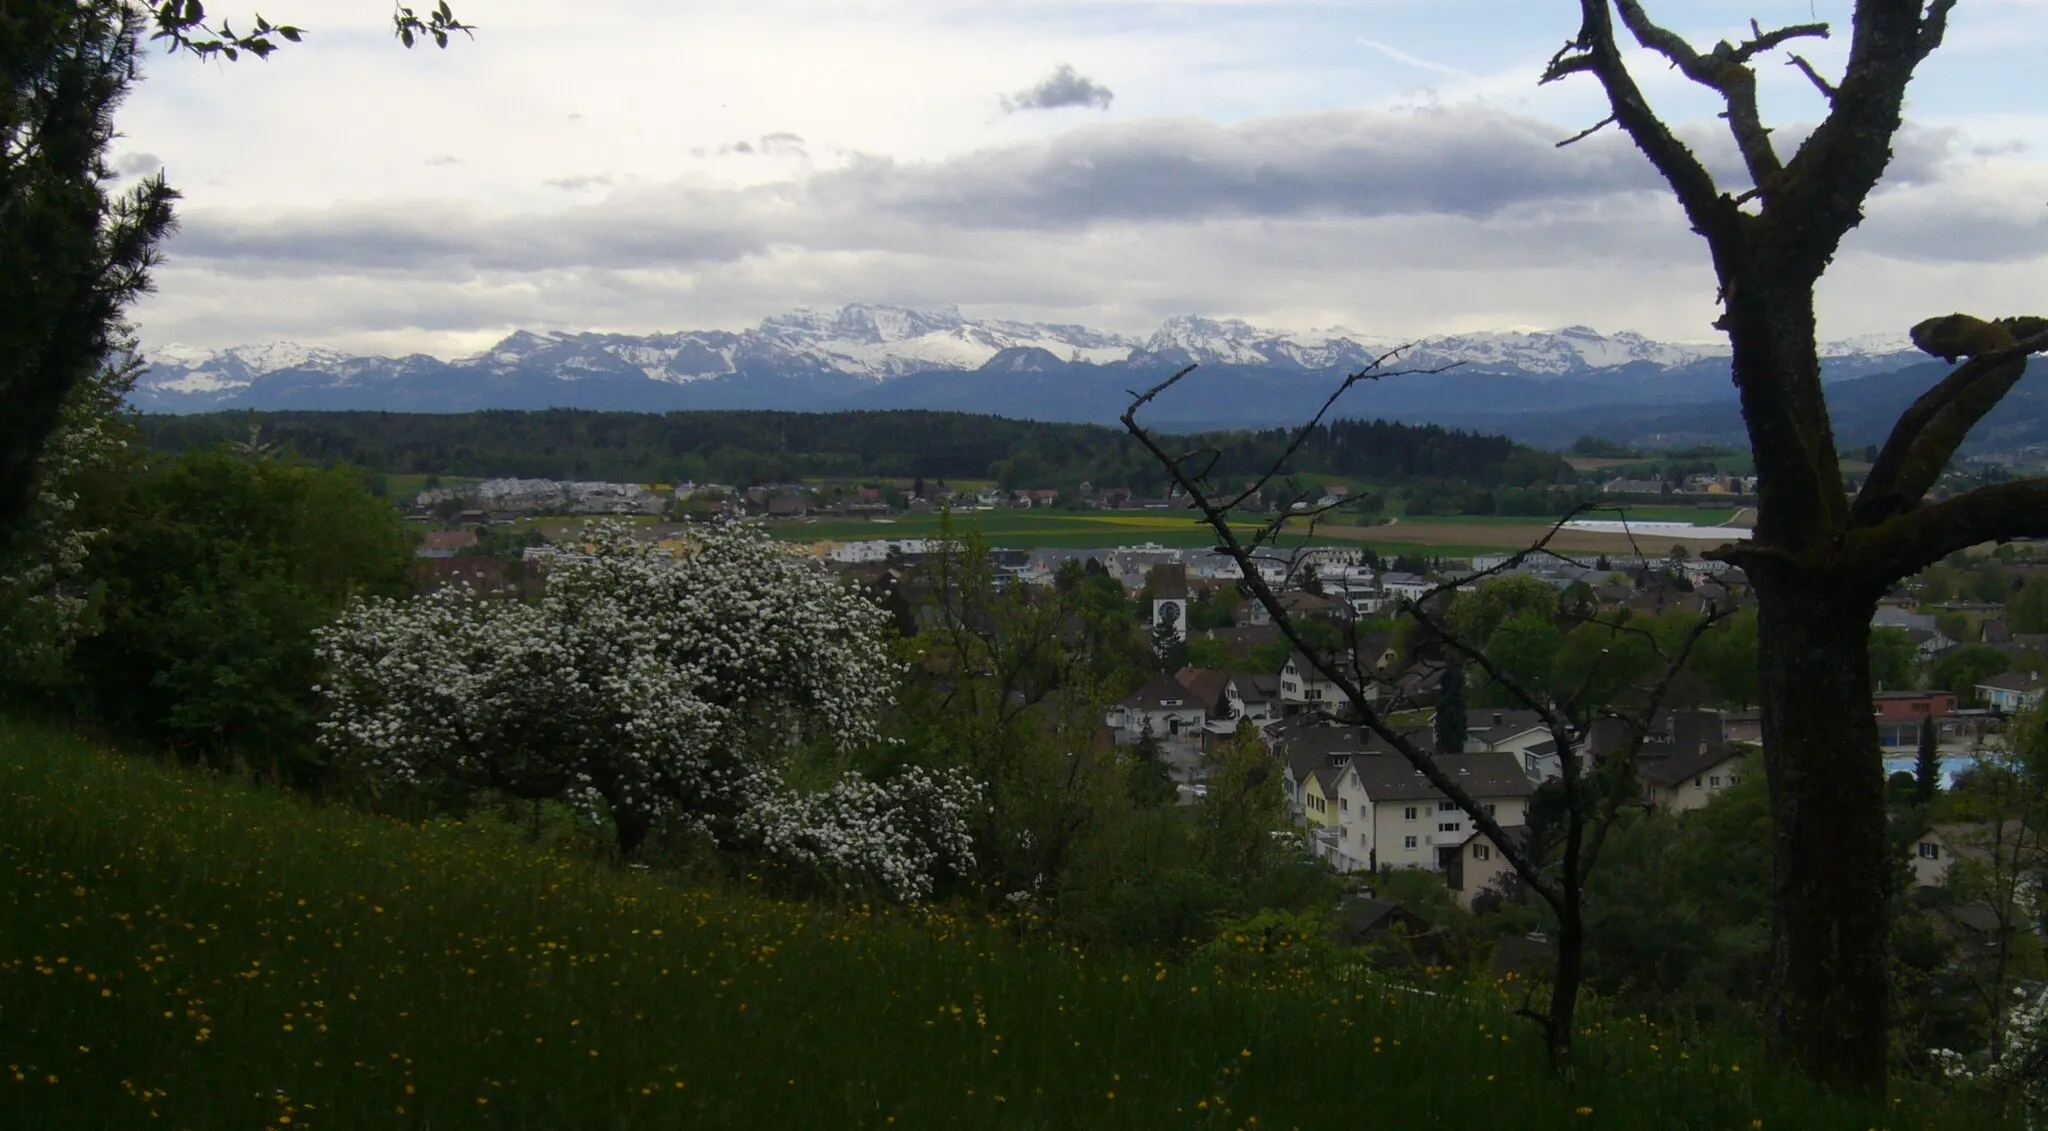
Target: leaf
194, 11
405, 36
289, 32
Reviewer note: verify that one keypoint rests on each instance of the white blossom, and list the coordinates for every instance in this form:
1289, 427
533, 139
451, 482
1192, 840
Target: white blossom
648, 684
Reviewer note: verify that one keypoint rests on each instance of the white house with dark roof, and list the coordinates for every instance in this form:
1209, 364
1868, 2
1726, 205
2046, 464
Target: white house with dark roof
2013, 691
1688, 779
1409, 823
1163, 706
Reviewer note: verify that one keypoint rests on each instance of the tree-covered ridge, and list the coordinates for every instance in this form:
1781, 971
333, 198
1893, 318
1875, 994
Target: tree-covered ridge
745, 447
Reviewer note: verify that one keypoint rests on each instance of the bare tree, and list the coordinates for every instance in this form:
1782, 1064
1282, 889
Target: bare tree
1819, 560
1594, 795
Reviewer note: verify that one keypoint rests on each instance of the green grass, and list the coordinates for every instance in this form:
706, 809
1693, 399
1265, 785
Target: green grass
184, 952
1017, 528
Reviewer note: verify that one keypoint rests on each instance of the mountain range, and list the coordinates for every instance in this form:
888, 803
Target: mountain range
1544, 387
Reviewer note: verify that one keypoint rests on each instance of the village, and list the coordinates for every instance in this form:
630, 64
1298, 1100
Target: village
1359, 806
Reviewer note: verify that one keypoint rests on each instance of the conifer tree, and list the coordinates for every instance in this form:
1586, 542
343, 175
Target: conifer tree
1927, 767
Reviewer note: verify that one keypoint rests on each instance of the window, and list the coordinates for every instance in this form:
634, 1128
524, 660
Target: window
1344, 803
1312, 694
1446, 807
1408, 814
1696, 781
1482, 852
1929, 850
1448, 826
1734, 779
1407, 842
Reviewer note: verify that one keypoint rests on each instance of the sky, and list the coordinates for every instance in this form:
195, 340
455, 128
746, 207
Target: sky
1389, 166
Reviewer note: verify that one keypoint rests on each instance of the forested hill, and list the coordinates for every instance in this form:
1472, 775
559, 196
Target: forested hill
753, 447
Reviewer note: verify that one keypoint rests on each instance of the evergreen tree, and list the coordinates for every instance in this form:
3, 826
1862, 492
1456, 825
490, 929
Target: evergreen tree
1927, 767
1450, 711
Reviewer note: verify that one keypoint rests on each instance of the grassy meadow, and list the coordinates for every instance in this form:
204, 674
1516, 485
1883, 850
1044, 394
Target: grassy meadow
182, 951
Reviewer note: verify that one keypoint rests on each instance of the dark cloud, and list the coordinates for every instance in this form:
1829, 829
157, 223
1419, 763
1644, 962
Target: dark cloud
1452, 188
136, 164
1064, 87
1469, 162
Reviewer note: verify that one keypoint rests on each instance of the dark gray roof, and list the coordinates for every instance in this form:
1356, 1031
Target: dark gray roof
1158, 690
1666, 772
1389, 777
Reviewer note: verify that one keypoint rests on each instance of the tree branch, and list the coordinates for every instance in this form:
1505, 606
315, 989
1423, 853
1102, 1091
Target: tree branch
1826, 88
1928, 433
1594, 51
1821, 194
1217, 517
1907, 543
1726, 71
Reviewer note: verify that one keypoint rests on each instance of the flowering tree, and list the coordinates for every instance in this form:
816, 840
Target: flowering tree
652, 682
895, 834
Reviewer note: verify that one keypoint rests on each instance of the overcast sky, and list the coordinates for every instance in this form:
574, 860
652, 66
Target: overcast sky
1386, 165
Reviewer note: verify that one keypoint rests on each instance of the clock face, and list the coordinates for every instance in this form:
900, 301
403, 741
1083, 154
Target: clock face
1169, 613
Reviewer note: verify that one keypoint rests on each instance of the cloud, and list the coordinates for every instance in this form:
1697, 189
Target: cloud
1397, 222
1064, 87
444, 159
136, 164
1400, 56
579, 183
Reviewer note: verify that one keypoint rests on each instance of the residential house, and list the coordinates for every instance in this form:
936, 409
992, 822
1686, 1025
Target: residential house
1936, 851
1408, 823
1682, 782
1520, 733
1363, 919
1254, 697
1206, 686
1303, 689
2013, 691
1480, 866
1163, 707
1928, 642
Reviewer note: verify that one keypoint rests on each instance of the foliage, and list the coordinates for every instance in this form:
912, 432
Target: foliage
75, 254
1239, 824
757, 447
1678, 912
210, 581
2026, 610
1961, 669
43, 606
1891, 659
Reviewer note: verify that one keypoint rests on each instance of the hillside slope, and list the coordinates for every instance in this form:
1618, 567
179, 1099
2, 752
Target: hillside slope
192, 953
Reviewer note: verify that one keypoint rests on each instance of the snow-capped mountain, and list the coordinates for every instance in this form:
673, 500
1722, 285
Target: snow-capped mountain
873, 356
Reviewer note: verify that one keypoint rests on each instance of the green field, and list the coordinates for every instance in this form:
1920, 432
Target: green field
185, 952
1017, 529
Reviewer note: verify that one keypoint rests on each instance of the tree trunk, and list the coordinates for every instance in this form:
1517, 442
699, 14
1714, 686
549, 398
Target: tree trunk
1830, 876
633, 827
1564, 989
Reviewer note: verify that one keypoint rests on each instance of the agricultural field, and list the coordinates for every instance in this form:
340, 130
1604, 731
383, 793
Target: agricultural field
1452, 535
185, 951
